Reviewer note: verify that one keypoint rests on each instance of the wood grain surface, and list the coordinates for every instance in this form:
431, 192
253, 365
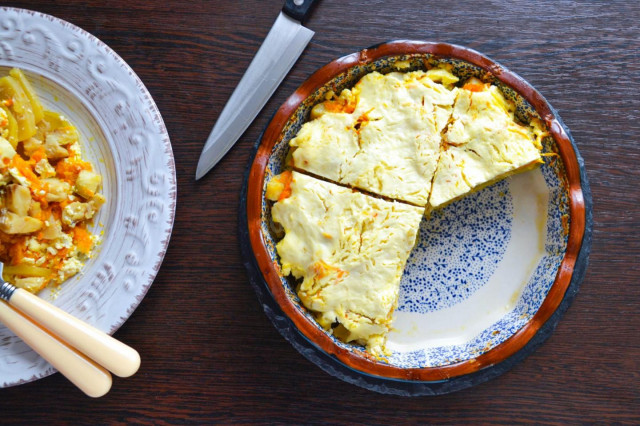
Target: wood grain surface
209, 353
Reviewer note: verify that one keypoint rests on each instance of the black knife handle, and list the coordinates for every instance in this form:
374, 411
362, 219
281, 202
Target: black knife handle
298, 9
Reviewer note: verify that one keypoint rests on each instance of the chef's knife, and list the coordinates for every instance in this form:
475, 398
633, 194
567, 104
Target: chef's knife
279, 51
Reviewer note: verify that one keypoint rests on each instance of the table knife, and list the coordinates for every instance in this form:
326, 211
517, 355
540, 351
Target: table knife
279, 51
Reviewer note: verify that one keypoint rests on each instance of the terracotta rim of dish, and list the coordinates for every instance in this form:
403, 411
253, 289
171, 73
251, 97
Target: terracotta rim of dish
309, 329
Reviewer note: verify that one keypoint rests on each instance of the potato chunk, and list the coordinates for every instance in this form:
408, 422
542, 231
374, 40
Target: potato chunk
76, 212
97, 202
6, 151
444, 76
55, 141
31, 145
8, 125
52, 121
54, 151
11, 223
279, 186
19, 106
35, 209
27, 270
31, 284
52, 230
45, 169
63, 136
57, 190
87, 184
36, 106
18, 199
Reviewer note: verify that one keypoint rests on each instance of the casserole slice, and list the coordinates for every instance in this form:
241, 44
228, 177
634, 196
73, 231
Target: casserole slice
347, 250
483, 144
382, 136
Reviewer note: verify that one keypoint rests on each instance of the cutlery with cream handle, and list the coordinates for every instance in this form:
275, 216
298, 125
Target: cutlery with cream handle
89, 377
115, 356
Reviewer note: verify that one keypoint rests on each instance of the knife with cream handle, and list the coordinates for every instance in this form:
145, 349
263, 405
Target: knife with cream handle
115, 356
90, 378
279, 51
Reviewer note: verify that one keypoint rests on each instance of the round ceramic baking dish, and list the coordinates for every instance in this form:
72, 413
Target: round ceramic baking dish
490, 275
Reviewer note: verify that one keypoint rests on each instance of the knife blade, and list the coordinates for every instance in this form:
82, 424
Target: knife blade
279, 51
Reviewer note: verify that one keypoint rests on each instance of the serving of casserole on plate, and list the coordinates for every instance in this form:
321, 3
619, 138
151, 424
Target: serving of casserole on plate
49, 193
490, 272
122, 135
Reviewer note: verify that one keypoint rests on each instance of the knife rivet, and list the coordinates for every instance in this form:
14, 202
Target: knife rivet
6, 291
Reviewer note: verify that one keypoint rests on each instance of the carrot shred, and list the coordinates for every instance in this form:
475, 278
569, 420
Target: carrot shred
24, 167
322, 269
82, 239
474, 87
286, 178
68, 170
340, 105
38, 154
16, 251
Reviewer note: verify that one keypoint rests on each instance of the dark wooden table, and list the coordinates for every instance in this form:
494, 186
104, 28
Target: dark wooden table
209, 352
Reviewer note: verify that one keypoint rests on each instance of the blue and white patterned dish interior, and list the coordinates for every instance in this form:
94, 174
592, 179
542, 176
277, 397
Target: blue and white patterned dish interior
482, 266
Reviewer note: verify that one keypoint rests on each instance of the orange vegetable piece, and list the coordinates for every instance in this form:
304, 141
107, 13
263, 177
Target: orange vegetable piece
82, 239
285, 178
16, 251
474, 87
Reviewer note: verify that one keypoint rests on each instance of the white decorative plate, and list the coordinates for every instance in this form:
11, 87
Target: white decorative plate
123, 135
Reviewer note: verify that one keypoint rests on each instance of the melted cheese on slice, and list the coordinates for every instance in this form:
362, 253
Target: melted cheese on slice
349, 250
386, 140
322, 146
482, 145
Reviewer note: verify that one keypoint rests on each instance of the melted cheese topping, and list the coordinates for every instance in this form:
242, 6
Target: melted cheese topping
482, 145
412, 137
349, 249
382, 136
